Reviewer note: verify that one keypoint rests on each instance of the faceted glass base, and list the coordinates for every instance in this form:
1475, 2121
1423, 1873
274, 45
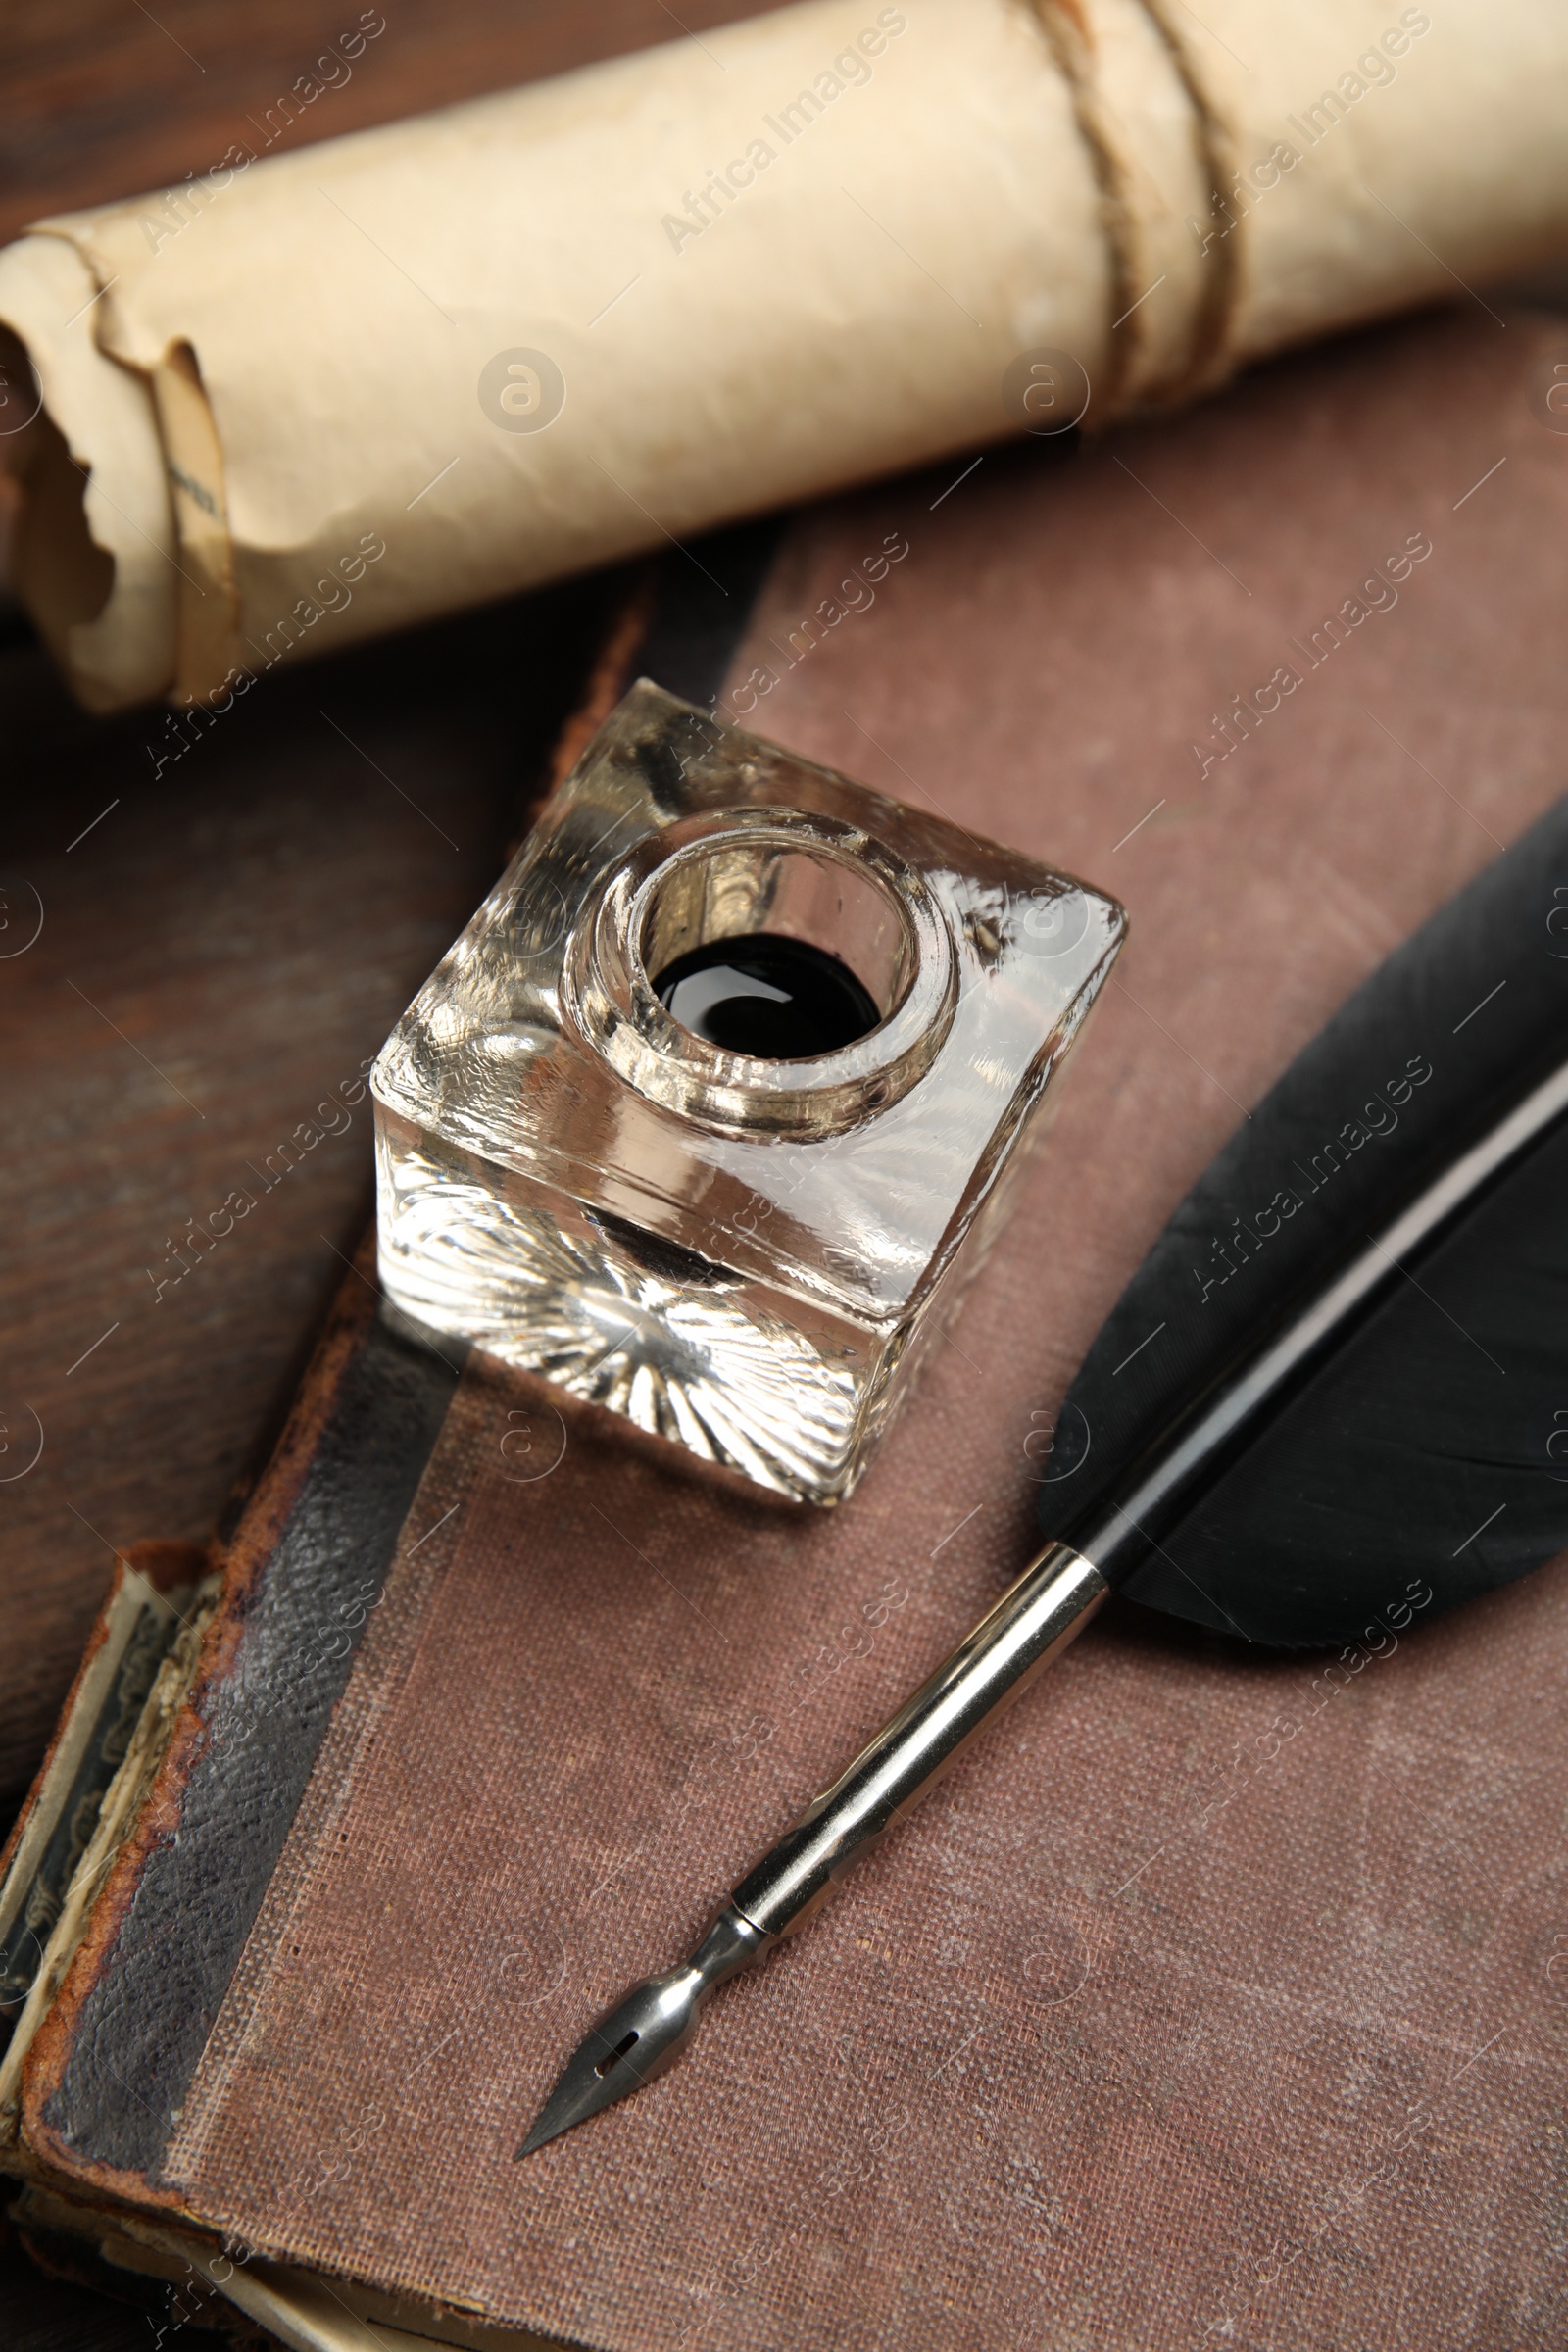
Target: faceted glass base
687, 1349
737, 1252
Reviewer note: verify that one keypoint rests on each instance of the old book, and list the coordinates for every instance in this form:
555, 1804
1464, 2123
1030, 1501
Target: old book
1208, 1997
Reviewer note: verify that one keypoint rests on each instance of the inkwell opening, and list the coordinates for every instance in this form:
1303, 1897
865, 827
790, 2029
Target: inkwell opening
782, 954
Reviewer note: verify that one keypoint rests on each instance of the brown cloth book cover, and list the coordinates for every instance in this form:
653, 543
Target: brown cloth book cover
1211, 1998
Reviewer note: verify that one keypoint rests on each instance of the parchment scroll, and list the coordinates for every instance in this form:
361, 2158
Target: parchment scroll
308, 398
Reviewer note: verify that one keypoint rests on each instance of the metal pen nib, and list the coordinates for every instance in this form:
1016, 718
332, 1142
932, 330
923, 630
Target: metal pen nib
647, 2030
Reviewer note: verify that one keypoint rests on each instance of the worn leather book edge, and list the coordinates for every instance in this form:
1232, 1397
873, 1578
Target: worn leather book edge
90, 1798
308, 1555
151, 1586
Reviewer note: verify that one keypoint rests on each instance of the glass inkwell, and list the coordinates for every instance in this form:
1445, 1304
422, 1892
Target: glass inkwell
709, 1112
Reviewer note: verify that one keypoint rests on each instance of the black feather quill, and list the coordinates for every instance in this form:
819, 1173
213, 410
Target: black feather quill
1426, 1438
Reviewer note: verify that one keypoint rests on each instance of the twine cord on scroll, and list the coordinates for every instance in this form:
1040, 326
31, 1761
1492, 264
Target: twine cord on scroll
1211, 351
1071, 43
1076, 46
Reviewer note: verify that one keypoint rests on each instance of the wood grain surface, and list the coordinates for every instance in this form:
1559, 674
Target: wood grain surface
220, 951
104, 98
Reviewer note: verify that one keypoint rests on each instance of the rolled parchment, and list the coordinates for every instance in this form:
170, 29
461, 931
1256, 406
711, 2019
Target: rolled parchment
302, 399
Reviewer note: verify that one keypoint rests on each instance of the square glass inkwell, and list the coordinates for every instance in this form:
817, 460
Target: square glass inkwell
709, 1110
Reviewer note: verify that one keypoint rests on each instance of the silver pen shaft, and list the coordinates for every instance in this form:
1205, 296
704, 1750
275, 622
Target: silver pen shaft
652, 2024
1034, 1619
